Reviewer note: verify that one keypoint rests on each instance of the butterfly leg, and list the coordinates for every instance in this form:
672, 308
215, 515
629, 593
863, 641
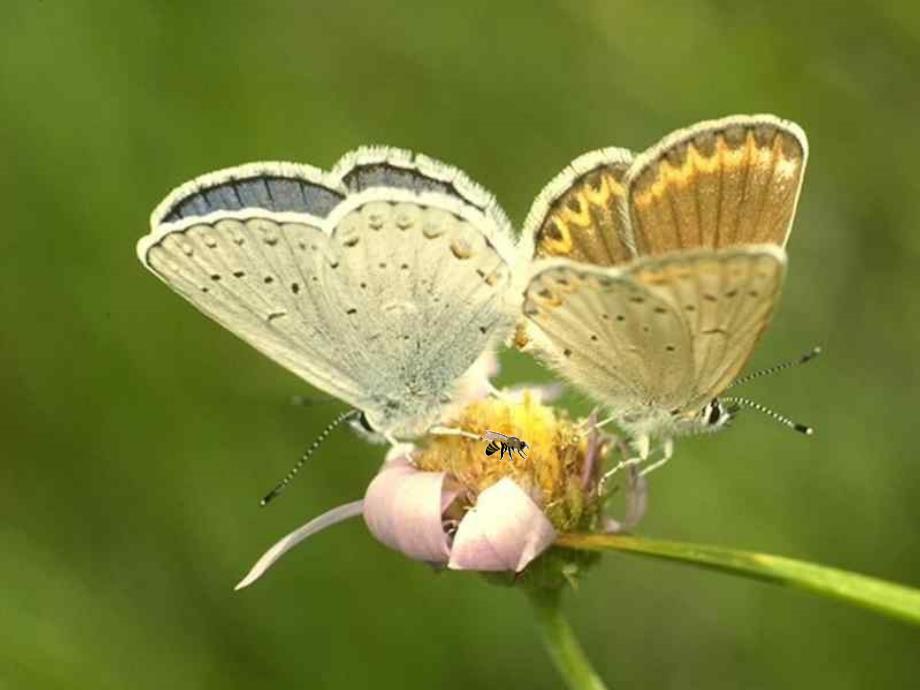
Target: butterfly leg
641, 447
452, 431
667, 452
587, 426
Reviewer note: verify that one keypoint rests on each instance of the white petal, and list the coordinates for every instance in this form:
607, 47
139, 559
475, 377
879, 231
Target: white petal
327, 519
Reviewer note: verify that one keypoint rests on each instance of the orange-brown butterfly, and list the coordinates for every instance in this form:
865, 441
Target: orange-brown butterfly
655, 275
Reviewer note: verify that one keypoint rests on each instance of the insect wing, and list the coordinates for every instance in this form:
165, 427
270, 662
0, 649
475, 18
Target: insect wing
720, 183
666, 333
380, 283
578, 215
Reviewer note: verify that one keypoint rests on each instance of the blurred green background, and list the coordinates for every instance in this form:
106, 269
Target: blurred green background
137, 436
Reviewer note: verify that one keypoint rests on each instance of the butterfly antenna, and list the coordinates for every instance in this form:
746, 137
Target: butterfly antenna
773, 414
807, 357
282, 485
306, 401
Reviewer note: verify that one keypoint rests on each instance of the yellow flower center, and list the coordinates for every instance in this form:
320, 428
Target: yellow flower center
551, 473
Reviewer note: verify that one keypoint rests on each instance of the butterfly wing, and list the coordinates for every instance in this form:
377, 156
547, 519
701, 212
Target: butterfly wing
727, 298
608, 334
665, 333
379, 294
422, 292
578, 215
719, 183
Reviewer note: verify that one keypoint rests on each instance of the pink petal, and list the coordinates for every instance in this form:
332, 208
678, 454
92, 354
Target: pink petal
327, 519
403, 507
505, 530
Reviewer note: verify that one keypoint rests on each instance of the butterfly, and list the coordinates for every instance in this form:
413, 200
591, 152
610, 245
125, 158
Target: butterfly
380, 282
656, 274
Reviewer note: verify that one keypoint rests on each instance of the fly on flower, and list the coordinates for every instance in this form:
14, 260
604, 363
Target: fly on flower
501, 444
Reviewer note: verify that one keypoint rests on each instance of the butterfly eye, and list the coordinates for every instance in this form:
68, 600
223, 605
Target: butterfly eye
365, 424
715, 412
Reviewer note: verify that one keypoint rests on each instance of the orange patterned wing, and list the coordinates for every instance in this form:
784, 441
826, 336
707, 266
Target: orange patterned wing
579, 214
720, 183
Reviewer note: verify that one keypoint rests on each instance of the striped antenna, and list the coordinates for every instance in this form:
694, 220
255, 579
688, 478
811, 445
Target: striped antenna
776, 416
282, 485
306, 401
807, 357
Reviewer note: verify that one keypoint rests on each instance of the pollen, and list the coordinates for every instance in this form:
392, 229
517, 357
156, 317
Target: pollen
552, 473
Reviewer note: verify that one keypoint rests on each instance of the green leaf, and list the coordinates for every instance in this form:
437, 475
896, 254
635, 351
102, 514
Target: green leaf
897, 601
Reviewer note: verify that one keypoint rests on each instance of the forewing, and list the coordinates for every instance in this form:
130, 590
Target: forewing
262, 280
609, 335
726, 298
578, 215
717, 184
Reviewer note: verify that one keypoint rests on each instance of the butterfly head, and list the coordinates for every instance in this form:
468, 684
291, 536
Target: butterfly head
714, 416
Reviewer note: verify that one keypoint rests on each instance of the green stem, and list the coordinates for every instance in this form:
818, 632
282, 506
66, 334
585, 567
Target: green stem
897, 601
561, 643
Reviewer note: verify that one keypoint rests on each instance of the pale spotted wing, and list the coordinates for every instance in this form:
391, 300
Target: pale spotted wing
664, 333
609, 335
380, 283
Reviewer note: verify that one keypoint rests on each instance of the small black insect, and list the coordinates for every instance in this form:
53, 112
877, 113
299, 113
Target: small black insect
499, 443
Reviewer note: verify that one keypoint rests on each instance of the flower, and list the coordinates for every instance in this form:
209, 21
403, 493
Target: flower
448, 504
